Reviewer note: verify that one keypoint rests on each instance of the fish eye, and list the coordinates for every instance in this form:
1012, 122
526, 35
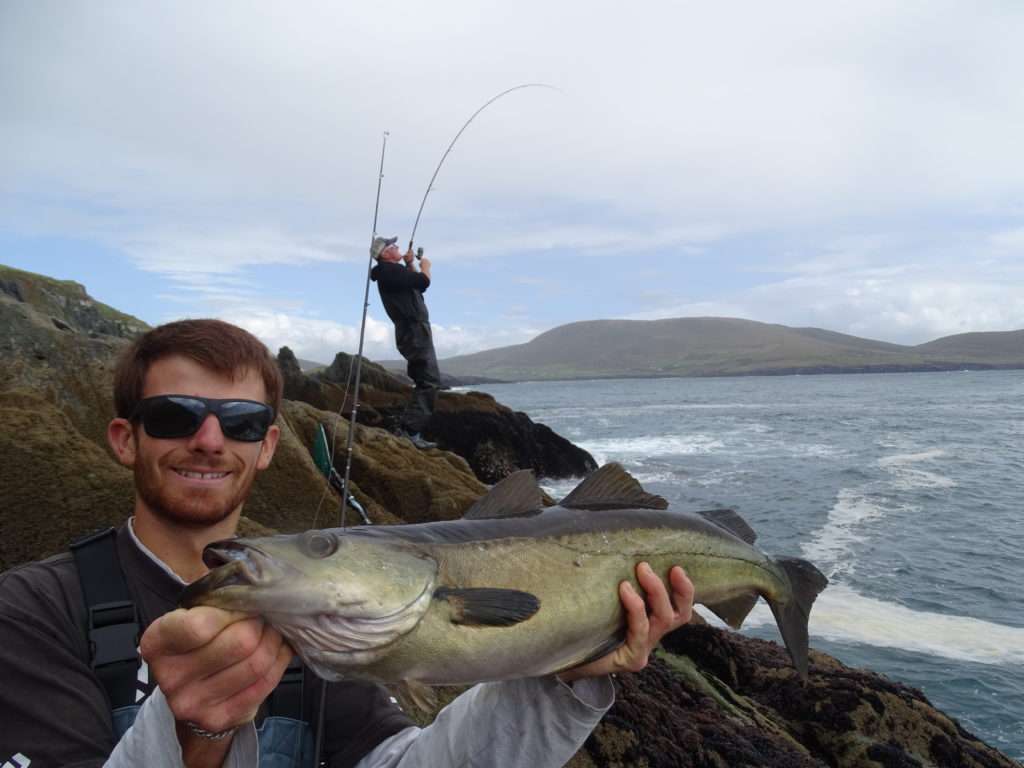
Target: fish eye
321, 543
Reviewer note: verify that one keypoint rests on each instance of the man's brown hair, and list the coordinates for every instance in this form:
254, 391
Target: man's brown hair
217, 346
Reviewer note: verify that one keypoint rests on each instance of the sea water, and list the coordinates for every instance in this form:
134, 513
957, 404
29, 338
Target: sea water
906, 490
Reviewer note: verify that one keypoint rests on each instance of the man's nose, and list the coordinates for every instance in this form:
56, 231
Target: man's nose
208, 437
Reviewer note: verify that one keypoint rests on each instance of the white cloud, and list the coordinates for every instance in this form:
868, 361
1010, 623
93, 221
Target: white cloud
224, 253
901, 305
312, 339
218, 140
1008, 242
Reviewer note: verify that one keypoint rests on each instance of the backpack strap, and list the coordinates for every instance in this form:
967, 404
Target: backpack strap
287, 699
114, 629
113, 620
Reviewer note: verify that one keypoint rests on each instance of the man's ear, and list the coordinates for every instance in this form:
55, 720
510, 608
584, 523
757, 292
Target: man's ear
121, 436
268, 446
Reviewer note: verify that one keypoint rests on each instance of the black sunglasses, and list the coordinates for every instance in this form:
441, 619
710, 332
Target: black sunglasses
173, 416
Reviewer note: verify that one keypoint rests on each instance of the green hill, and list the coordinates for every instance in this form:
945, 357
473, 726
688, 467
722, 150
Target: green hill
716, 346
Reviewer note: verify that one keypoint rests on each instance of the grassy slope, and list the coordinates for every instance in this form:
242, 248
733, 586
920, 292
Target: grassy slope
720, 346
59, 298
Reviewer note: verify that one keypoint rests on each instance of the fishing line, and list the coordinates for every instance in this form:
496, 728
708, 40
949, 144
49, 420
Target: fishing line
430, 186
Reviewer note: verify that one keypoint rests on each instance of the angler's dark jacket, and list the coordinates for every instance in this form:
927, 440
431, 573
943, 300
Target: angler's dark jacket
401, 289
53, 709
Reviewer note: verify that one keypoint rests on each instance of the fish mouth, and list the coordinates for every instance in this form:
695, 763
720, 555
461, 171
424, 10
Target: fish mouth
232, 565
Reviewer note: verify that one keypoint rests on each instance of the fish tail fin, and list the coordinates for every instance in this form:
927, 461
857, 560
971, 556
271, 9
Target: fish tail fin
806, 582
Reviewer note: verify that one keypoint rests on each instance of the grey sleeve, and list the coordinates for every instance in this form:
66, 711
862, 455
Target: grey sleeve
153, 742
531, 723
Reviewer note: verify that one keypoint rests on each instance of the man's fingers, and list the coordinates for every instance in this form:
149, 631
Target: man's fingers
682, 595
637, 623
246, 687
656, 595
243, 707
251, 662
181, 631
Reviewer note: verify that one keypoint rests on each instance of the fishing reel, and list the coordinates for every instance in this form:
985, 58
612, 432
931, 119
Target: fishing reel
419, 253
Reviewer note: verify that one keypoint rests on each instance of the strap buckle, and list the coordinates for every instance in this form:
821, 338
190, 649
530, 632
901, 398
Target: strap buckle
113, 633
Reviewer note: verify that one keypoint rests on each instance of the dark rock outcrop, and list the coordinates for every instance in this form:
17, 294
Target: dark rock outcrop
492, 438
497, 441
715, 698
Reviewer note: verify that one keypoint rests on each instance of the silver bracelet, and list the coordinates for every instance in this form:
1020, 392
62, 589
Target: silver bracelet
214, 735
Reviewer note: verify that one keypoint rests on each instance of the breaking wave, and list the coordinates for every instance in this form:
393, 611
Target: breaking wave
906, 476
831, 544
841, 614
616, 449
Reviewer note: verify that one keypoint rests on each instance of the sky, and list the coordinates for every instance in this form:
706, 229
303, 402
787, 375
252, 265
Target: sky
849, 166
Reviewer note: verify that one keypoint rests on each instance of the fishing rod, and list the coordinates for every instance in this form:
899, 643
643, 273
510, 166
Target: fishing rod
362, 336
430, 186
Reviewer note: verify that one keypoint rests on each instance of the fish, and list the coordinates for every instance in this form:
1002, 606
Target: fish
512, 589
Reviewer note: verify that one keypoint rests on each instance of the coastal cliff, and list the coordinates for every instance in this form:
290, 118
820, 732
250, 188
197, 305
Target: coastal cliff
710, 698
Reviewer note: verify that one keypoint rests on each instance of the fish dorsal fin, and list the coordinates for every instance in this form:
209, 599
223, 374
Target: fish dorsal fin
732, 522
515, 496
612, 487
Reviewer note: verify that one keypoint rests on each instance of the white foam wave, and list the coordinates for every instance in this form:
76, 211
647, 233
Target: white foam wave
906, 477
817, 450
830, 543
841, 614
654, 445
910, 458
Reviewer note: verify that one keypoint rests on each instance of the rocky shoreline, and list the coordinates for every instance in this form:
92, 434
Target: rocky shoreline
711, 698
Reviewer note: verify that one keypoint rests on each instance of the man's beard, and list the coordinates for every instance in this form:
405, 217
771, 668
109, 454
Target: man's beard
197, 510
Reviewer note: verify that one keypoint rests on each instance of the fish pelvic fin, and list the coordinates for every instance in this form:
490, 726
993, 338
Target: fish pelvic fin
734, 611
514, 496
806, 583
413, 695
488, 606
612, 487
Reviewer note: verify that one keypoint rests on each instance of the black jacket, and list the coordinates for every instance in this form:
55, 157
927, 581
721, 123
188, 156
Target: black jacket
401, 291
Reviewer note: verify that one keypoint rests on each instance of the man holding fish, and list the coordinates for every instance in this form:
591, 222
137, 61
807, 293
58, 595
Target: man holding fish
216, 670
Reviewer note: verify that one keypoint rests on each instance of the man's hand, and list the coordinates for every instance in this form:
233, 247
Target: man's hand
215, 668
643, 631
409, 256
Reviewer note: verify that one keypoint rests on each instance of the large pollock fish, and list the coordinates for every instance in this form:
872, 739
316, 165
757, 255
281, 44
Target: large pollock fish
513, 589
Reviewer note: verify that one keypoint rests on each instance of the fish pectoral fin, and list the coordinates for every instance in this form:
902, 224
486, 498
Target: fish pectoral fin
732, 522
612, 487
515, 496
735, 610
488, 606
412, 695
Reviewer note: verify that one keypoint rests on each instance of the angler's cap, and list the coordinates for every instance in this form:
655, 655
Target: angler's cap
379, 244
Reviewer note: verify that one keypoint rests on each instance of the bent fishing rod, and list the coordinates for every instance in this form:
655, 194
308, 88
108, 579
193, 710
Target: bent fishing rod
444, 157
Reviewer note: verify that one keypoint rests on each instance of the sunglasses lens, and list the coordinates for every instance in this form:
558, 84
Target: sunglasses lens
173, 417
245, 421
